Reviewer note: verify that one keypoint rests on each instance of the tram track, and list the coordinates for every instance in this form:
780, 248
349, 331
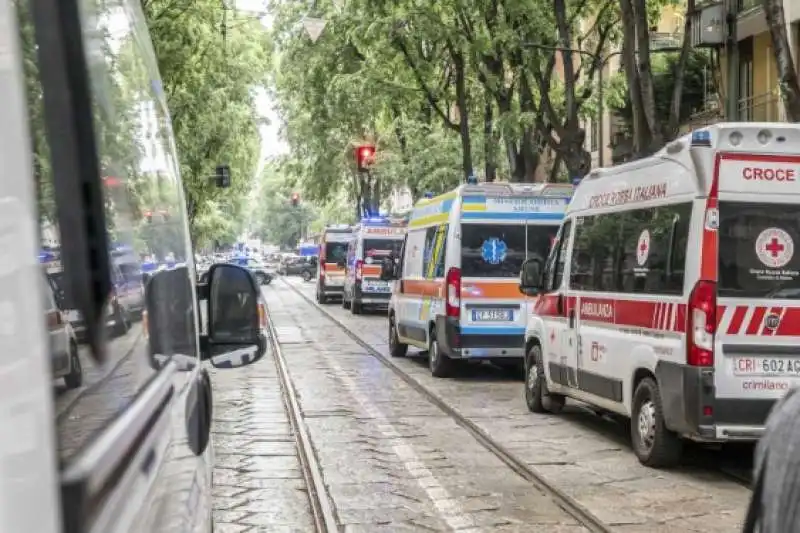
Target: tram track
568, 504
322, 510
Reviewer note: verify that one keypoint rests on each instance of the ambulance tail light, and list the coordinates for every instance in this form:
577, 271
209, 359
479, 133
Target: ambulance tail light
453, 286
701, 324
359, 269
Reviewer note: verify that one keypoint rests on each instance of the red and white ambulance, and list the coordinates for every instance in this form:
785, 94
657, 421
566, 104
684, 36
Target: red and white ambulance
672, 292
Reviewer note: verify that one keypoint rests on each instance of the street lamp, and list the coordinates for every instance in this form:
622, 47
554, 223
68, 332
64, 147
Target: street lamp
602, 62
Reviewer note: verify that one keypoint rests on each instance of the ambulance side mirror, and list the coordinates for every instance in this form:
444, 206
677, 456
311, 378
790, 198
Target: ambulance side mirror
530, 277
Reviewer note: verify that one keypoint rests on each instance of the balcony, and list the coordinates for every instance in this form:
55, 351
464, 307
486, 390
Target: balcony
764, 107
666, 41
747, 5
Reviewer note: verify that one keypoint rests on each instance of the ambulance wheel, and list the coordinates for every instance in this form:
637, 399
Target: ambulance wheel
355, 307
654, 444
321, 299
74, 379
122, 323
537, 396
441, 366
396, 348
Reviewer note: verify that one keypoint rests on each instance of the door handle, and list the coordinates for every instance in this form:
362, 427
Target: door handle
572, 319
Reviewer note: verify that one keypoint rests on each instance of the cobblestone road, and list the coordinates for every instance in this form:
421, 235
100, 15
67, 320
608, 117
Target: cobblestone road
587, 457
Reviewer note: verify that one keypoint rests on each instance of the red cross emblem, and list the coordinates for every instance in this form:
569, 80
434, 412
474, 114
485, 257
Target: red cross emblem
643, 247
775, 247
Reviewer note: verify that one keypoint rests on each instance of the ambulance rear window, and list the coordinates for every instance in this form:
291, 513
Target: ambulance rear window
498, 250
335, 251
382, 248
758, 257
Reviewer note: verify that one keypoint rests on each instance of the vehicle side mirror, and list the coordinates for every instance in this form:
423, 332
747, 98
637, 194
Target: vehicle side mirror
388, 270
235, 314
530, 277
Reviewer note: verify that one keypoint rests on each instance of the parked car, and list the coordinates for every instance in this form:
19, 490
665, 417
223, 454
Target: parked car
294, 266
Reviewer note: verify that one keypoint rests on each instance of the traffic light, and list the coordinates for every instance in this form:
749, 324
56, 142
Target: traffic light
223, 176
365, 157
295, 199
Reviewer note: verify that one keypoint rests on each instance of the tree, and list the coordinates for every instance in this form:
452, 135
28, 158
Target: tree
650, 134
210, 61
787, 74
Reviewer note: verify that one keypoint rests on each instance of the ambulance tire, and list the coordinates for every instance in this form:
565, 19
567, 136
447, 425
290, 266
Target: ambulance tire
321, 299
355, 307
441, 366
537, 397
665, 448
122, 323
396, 348
74, 379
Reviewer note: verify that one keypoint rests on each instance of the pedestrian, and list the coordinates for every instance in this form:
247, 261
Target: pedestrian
775, 503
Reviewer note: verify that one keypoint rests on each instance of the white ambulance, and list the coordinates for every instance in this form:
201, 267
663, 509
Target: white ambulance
375, 240
332, 261
456, 293
672, 293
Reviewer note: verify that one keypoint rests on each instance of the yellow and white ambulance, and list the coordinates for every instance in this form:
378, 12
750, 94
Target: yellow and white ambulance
456, 292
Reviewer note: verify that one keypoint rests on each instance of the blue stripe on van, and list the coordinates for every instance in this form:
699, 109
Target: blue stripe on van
492, 330
474, 199
488, 215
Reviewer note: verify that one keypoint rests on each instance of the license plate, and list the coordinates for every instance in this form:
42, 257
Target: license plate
373, 286
766, 366
492, 315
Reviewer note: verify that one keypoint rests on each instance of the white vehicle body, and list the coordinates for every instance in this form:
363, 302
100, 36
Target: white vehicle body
681, 268
457, 291
374, 240
332, 259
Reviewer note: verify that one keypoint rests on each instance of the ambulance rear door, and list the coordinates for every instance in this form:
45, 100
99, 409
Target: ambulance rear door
757, 343
497, 234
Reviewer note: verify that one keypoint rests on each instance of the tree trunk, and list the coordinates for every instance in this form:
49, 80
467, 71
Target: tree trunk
787, 74
530, 156
463, 111
489, 146
679, 74
641, 131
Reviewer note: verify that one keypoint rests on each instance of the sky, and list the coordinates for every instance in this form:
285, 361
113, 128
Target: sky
271, 144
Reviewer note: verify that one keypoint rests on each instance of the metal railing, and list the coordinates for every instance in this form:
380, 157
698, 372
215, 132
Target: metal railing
764, 107
746, 5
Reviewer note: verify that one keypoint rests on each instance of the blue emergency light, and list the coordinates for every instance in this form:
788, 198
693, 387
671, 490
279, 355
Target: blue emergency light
472, 179
375, 221
701, 138
428, 195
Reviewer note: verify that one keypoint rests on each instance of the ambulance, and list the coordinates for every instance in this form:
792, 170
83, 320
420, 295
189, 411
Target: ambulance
375, 240
455, 292
672, 293
332, 261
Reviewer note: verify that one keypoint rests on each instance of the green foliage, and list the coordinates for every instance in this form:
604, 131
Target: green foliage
211, 60
444, 89
697, 84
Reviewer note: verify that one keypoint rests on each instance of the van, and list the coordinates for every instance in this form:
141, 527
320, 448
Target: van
672, 293
113, 435
332, 261
456, 290
375, 240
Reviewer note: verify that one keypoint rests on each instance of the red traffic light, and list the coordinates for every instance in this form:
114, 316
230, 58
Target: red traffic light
365, 156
